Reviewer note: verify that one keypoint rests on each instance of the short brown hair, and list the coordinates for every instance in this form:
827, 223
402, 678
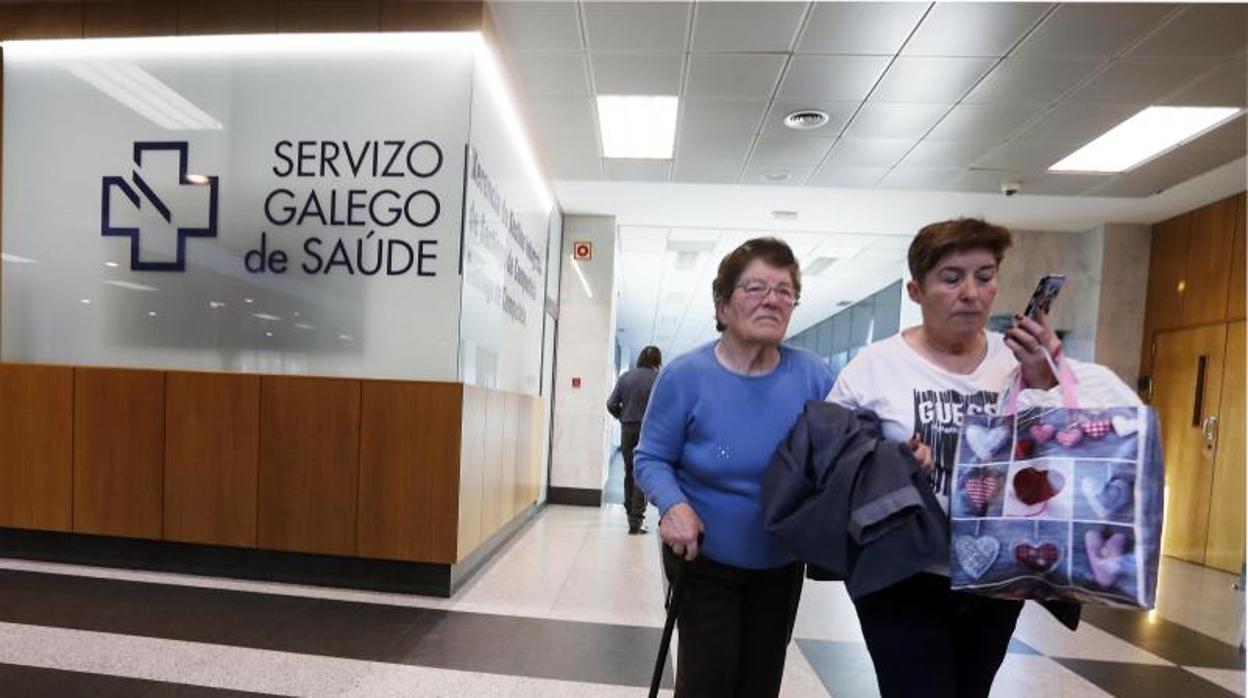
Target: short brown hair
772, 251
937, 240
650, 357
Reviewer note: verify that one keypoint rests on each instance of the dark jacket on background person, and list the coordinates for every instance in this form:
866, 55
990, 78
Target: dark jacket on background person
631, 395
856, 507
850, 504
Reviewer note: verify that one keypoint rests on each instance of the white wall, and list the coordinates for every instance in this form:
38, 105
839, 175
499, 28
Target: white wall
586, 350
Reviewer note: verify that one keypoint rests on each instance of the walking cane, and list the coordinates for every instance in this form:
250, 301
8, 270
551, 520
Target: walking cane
675, 592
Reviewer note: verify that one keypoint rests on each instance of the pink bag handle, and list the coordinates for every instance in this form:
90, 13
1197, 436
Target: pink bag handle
1065, 381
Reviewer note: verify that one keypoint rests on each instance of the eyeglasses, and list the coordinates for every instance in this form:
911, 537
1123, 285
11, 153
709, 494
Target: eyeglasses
757, 291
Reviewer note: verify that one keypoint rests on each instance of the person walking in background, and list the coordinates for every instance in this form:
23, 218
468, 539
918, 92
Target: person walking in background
715, 418
628, 404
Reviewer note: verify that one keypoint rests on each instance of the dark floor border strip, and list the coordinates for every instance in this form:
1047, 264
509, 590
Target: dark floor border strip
1171, 641
223, 561
1143, 680
38, 682
575, 496
437, 638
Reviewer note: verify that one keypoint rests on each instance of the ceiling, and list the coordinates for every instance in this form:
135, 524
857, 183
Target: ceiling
924, 99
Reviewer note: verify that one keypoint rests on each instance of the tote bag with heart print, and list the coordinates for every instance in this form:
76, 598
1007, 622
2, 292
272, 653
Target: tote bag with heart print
1059, 503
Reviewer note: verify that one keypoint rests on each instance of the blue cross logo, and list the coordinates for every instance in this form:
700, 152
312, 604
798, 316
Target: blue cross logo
141, 187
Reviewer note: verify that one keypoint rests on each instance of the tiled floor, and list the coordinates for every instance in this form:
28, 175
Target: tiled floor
573, 607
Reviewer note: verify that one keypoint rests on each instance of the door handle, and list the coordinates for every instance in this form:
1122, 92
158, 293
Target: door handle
1209, 429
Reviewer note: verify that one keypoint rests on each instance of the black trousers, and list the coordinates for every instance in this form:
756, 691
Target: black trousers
927, 641
735, 625
634, 498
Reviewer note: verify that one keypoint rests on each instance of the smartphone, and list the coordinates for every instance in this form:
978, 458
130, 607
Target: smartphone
1042, 298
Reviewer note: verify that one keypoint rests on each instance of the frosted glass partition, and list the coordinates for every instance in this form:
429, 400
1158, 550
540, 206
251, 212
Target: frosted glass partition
286, 204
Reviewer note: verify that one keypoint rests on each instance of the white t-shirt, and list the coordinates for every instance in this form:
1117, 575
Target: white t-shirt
913, 395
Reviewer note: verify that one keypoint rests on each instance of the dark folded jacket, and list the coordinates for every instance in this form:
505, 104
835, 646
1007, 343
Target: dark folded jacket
851, 505
856, 507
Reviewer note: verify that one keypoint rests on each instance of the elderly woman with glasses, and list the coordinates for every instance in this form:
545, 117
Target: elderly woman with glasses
714, 419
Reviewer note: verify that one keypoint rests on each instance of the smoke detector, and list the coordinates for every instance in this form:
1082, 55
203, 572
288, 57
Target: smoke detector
806, 120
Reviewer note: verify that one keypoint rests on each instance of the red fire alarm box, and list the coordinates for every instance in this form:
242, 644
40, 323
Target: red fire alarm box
576, 382
582, 251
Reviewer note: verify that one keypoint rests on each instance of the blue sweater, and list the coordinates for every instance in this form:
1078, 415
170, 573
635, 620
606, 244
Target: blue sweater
707, 437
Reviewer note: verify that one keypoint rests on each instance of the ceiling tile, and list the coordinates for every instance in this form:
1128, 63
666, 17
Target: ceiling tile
563, 114
721, 116
1166, 171
583, 145
553, 74
1202, 30
860, 27
832, 78
1224, 87
930, 178
621, 74
1138, 83
734, 76
973, 28
943, 80
636, 26
949, 154
1036, 81
849, 177
893, 120
1073, 125
538, 26
1091, 29
858, 152
1231, 136
746, 26
1065, 184
714, 146
572, 165
838, 115
1024, 157
638, 170
764, 175
975, 122
709, 171
783, 149
984, 181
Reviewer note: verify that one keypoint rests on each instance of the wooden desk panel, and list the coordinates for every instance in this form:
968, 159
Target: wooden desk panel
471, 471
491, 508
36, 458
409, 470
511, 457
119, 446
212, 444
309, 464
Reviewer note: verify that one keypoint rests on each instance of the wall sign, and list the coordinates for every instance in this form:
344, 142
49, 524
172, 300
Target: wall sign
286, 203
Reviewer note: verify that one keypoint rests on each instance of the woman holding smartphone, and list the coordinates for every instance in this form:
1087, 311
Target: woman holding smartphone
924, 639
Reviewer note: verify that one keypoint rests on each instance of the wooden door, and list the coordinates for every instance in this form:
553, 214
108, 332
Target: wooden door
1209, 262
1187, 384
1166, 268
1225, 549
1235, 302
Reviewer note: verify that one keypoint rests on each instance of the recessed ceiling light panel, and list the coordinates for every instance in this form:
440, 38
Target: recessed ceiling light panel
1148, 134
640, 127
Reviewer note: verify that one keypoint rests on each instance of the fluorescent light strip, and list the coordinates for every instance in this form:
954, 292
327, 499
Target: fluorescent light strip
162, 93
584, 283
641, 127
1150, 133
211, 47
93, 77
492, 73
132, 286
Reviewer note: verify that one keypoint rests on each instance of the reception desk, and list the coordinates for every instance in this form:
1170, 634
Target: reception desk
355, 482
